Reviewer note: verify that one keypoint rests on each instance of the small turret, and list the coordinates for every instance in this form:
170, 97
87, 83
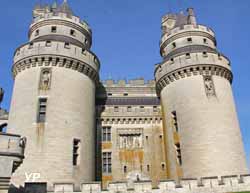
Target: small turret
191, 16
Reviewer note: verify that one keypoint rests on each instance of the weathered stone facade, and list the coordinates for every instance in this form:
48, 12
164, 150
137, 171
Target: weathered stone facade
129, 127
166, 135
194, 84
54, 97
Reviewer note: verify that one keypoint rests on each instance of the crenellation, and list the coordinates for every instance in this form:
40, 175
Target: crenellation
209, 184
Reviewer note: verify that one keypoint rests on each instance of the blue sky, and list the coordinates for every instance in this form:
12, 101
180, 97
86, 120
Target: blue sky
126, 38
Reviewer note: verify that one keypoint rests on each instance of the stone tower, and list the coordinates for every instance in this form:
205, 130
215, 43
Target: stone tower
194, 84
53, 102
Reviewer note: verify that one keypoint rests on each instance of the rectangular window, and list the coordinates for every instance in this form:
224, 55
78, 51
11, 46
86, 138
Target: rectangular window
106, 162
76, 151
205, 41
187, 55
175, 121
72, 32
37, 32
53, 29
67, 45
155, 109
116, 109
189, 40
48, 43
129, 109
106, 134
31, 45
42, 110
142, 108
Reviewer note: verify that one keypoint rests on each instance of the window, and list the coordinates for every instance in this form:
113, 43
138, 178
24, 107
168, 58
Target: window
204, 54
148, 168
37, 33
42, 110
163, 166
189, 40
178, 153
142, 108
67, 45
155, 109
205, 41
48, 43
106, 162
83, 51
86, 42
129, 109
125, 94
174, 45
187, 55
72, 32
53, 29
106, 134
110, 94
175, 121
125, 169
172, 60
76, 152
116, 109
31, 45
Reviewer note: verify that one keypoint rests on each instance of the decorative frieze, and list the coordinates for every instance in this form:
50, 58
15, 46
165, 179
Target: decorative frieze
193, 71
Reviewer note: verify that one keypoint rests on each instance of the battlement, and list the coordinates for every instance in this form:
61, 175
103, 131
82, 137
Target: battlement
186, 28
203, 185
64, 12
139, 82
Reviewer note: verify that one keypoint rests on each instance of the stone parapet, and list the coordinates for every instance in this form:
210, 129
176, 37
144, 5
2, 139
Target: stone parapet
224, 184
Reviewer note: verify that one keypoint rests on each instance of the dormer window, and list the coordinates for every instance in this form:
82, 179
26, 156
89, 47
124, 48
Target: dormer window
53, 29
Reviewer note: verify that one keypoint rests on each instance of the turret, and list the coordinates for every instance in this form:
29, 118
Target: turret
194, 84
53, 101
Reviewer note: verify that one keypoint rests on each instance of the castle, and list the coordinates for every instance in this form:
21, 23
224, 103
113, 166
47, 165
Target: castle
67, 129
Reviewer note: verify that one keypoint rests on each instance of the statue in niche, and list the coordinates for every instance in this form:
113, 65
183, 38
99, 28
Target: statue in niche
209, 86
45, 79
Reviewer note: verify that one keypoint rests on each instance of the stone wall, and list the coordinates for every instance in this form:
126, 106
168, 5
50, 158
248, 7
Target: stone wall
224, 184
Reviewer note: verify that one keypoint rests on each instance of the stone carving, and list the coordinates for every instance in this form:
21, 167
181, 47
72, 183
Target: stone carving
209, 86
45, 79
130, 140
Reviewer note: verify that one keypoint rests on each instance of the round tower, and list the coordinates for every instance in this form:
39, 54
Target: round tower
53, 102
194, 84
